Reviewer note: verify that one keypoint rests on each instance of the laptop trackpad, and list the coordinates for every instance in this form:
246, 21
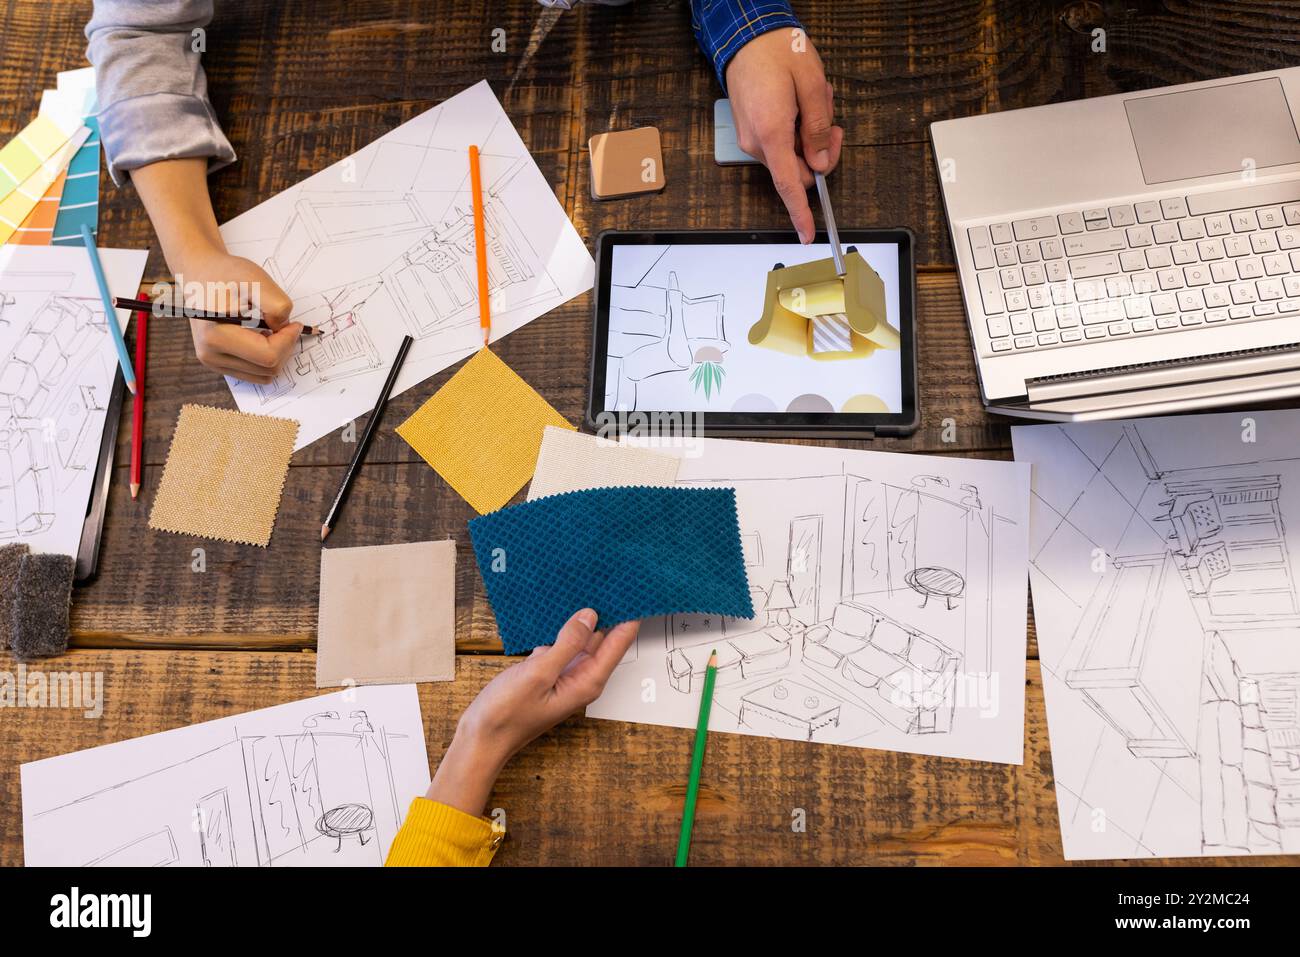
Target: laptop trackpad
1219, 129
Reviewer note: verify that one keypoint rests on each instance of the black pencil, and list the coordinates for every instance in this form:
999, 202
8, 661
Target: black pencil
366, 436
157, 309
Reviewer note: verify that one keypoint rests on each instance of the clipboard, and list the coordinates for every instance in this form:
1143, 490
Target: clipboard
97, 506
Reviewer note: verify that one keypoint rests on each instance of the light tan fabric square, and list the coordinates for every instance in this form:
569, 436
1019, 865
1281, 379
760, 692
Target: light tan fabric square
224, 475
570, 461
387, 614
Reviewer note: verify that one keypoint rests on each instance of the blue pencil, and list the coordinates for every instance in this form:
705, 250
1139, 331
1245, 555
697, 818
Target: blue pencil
123, 357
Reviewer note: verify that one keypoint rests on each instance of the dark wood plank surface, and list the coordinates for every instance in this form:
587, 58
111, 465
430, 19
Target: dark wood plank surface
300, 84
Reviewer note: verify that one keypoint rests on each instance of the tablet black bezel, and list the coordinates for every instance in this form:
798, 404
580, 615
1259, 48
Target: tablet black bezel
778, 424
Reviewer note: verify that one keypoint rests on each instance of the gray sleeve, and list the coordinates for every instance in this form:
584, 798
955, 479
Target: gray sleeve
153, 94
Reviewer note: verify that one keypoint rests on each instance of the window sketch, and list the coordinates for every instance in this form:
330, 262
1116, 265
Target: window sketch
325, 781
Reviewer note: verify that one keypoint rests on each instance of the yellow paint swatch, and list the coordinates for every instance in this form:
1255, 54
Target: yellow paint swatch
16, 207
38, 228
481, 431
24, 154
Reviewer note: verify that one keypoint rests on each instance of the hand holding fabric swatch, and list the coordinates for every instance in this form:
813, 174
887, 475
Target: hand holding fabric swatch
629, 553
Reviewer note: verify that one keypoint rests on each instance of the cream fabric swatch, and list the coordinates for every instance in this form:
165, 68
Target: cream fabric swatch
570, 461
387, 614
224, 475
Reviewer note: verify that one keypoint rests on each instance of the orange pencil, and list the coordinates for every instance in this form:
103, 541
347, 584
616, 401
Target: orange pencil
480, 244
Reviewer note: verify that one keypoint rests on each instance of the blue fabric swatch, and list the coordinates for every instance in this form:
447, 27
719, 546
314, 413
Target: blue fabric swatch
626, 552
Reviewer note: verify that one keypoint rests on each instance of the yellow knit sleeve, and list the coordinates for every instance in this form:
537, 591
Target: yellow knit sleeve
436, 835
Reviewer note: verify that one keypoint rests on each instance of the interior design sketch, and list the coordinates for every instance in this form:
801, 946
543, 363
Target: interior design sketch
659, 330
324, 789
842, 648
381, 245
827, 577
1165, 590
54, 385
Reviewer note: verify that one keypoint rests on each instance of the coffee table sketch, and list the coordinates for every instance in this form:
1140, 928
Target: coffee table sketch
789, 703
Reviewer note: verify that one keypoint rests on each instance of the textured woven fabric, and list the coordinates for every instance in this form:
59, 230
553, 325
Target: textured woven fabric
224, 475
481, 431
628, 553
570, 461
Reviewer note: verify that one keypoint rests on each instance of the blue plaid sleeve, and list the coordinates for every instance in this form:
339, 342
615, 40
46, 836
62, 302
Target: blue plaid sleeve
724, 26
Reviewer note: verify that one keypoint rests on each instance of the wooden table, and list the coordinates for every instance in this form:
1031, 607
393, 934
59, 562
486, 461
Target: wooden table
302, 83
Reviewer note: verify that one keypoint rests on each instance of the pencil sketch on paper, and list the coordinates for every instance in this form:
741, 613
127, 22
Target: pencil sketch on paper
381, 245
320, 782
887, 606
55, 381
1166, 594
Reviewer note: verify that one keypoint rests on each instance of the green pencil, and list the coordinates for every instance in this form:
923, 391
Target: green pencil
697, 760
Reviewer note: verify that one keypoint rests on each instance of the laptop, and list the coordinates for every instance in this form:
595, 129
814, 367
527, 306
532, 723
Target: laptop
1131, 255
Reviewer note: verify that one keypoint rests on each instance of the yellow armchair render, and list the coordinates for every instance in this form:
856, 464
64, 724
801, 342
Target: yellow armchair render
810, 311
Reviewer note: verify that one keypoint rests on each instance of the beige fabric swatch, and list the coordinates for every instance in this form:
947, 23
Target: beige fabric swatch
570, 461
224, 475
387, 614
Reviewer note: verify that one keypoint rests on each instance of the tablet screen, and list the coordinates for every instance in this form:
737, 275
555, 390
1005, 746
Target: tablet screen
755, 328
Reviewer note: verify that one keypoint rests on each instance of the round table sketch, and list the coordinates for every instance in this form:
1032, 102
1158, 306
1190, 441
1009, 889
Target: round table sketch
344, 821
935, 580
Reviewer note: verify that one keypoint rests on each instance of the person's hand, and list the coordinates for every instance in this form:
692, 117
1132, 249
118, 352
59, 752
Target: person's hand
776, 81
525, 701
176, 194
216, 281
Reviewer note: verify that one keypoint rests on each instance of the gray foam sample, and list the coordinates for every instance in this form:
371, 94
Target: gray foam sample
41, 606
11, 557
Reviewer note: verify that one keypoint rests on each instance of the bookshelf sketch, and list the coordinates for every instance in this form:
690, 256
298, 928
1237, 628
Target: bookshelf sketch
1163, 567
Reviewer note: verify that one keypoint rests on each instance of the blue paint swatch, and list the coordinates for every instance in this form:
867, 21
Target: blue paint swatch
80, 203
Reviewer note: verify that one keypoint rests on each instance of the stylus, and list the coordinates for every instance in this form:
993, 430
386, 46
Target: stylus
831, 232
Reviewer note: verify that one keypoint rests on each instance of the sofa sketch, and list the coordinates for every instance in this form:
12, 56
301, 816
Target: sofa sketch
904, 676
746, 647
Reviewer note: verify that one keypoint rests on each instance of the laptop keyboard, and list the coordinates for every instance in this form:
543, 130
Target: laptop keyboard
1136, 269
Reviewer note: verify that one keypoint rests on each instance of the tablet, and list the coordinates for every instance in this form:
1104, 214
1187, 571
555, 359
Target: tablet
750, 333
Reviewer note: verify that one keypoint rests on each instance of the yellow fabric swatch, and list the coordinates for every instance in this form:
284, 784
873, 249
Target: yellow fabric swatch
481, 431
34, 144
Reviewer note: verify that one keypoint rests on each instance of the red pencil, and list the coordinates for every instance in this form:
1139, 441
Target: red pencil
137, 401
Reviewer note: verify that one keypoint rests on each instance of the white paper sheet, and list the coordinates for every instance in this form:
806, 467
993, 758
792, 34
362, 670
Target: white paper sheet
321, 782
904, 579
55, 381
1164, 574
676, 309
381, 244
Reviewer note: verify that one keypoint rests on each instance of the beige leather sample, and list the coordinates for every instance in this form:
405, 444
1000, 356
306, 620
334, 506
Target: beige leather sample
387, 614
626, 163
